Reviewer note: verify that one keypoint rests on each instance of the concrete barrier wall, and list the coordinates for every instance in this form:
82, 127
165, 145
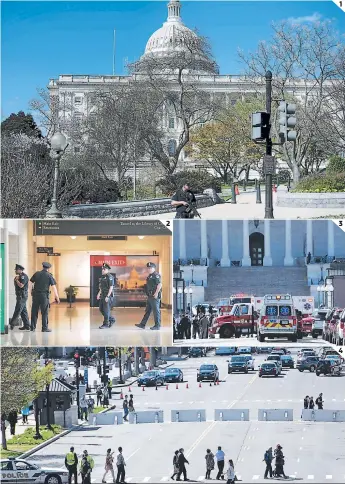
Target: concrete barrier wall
231, 414
146, 416
324, 415
188, 415
107, 418
275, 414
308, 200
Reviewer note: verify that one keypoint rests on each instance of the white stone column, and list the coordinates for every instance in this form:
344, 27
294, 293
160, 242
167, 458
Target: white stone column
246, 260
330, 249
203, 239
183, 252
267, 257
225, 260
288, 259
309, 247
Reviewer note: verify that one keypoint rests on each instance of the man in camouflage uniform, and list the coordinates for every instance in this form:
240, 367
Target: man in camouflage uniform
154, 294
105, 296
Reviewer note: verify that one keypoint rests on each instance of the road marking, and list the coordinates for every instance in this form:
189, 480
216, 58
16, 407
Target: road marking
297, 461
255, 478
328, 477
200, 478
300, 448
166, 478
310, 477
146, 479
133, 453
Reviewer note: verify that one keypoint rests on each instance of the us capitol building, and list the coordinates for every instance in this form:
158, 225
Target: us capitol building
74, 89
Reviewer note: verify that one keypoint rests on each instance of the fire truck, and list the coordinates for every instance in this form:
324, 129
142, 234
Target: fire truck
277, 318
224, 306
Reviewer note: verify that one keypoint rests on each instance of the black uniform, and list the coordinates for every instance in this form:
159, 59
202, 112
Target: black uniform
105, 282
40, 297
21, 300
183, 196
153, 304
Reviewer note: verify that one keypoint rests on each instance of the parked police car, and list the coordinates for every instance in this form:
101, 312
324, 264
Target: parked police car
20, 471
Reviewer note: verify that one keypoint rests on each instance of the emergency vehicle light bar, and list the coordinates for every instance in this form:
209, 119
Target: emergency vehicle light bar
278, 297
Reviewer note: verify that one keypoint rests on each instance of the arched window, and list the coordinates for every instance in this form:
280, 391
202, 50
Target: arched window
172, 147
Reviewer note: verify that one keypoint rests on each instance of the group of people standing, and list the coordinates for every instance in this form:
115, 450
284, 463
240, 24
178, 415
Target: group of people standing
308, 402
180, 461
187, 326
279, 462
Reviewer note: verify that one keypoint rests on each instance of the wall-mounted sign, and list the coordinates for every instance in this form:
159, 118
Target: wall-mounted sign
45, 250
107, 237
54, 254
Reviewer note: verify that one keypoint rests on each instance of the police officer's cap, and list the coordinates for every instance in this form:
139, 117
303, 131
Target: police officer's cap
106, 266
151, 264
46, 265
19, 267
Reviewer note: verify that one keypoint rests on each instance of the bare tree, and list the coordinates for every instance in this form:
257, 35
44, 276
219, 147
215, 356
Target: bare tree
170, 85
302, 59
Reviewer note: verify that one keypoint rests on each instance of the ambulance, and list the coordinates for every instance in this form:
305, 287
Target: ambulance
277, 318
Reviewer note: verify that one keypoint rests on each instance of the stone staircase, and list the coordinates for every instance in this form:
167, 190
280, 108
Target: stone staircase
257, 281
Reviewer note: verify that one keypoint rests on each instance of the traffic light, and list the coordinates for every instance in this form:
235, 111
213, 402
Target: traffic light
287, 121
260, 126
104, 378
77, 360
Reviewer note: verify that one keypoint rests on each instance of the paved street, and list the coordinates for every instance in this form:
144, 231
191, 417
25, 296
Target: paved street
313, 451
246, 207
244, 341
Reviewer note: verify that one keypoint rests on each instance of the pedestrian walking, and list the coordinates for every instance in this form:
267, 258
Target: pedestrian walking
230, 473
131, 404
204, 323
311, 403
319, 402
90, 404
220, 456
99, 393
83, 408
105, 296
306, 402
196, 328
125, 408
120, 463
268, 458
71, 464
86, 466
280, 461
185, 325
13, 419
109, 467
110, 388
154, 293
105, 396
182, 461
21, 286
209, 457
25, 413
175, 464
42, 282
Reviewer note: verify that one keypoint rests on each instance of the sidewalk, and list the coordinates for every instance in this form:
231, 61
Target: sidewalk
247, 208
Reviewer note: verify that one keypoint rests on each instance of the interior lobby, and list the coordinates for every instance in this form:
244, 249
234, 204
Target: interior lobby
76, 266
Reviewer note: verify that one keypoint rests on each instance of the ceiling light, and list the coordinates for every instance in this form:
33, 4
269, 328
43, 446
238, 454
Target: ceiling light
73, 237
141, 237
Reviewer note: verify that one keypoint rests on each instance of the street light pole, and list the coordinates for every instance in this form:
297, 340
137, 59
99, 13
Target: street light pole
268, 195
49, 427
58, 145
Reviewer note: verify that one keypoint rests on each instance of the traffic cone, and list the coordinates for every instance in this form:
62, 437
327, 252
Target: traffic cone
167, 387
237, 192
121, 395
156, 387
199, 384
274, 188
176, 386
210, 384
187, 385
217, 382
143, 389
129, 389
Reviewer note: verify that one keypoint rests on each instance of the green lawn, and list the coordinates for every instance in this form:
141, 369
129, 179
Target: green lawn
19, 444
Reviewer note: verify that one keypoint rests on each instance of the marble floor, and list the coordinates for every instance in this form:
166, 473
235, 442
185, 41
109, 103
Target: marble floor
79, 326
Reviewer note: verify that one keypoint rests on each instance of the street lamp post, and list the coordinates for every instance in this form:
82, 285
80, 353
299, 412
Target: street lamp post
192, 269
268, 188
180, 291
330, 291
58, 145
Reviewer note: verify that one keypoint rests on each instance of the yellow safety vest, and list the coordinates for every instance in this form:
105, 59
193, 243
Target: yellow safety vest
90, 461
110, 384
70, 459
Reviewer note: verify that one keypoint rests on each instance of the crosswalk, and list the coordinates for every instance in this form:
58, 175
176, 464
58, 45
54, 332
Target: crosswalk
255, 477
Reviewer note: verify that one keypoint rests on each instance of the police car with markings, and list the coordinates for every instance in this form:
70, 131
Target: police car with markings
19, 471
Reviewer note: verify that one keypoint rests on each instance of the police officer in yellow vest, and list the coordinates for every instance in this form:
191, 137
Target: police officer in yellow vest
86, 466
71, 463
110, 387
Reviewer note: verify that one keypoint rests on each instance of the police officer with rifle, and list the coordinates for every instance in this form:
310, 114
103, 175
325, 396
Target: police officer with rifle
185, 202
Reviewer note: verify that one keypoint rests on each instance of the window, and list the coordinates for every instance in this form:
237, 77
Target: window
172, 147
78, 100
171, 122
78, 116
77, 149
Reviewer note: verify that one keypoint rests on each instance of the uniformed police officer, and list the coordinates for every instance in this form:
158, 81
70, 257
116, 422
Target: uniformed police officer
42, 280
154, 293
71, 463
105, 296
181, 199
21, 286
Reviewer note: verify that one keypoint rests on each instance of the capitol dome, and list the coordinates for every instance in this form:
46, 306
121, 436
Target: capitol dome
171, 35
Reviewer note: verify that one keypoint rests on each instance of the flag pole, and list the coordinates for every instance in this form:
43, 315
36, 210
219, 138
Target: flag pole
114, 54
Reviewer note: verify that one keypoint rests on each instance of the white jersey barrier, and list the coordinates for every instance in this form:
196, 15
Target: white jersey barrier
324, 415
188, 415
231, 415
275, 414
146, 416
106, 418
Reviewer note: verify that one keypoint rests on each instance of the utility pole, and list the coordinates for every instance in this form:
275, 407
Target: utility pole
104, 366
76, 364
268, 195
49, 427
120, 365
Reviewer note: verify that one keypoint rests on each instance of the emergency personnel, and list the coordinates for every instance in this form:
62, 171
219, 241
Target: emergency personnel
319, 402
42, 280
110, 387
21, 286
86, 466
105, 296
181, 199
71, 464
154, 294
